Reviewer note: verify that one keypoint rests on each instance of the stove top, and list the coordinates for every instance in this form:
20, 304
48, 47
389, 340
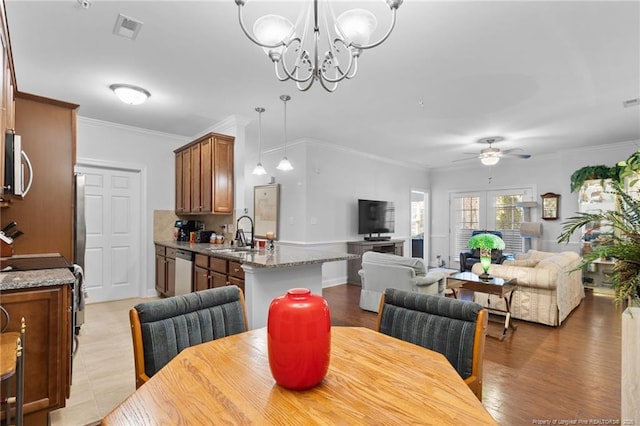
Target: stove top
30, 263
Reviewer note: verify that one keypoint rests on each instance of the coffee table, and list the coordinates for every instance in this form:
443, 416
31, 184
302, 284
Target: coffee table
497, 286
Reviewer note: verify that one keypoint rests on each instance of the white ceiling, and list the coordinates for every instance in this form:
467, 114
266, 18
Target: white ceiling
547, 76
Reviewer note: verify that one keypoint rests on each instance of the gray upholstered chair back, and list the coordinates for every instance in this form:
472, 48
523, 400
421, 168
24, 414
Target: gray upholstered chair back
170, 325
438, 323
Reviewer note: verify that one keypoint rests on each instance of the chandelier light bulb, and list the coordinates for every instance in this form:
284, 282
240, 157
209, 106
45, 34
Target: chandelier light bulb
129, 94
273, 30
356, 26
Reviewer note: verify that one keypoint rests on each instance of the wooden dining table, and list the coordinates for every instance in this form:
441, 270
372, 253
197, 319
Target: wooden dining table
372, 379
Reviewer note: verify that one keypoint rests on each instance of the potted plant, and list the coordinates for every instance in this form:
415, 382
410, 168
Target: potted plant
591, 172
623, 247
485, 243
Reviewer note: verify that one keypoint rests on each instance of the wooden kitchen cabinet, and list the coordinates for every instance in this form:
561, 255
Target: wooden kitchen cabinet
47, 314
204, 176
165, 271
7, 83
213, 272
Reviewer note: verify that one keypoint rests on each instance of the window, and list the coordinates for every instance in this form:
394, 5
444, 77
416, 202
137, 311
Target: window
492, 210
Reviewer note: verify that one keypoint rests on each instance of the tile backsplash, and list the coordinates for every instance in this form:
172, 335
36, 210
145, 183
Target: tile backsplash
164, 220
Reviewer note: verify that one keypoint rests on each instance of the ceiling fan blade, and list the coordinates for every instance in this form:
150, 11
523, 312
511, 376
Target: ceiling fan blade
524, 156
464, 159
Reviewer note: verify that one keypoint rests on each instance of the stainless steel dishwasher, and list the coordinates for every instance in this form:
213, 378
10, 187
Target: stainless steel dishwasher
184, 271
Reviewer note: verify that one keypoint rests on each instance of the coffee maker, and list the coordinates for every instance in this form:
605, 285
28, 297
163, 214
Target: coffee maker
184, 228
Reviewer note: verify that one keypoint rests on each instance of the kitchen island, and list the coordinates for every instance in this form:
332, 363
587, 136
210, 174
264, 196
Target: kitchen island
268, 274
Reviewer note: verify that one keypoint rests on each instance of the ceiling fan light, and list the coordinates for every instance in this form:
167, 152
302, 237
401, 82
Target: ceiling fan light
490, 160
129, 94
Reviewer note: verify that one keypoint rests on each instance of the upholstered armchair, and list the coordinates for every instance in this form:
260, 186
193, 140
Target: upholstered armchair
381, 271
471, 257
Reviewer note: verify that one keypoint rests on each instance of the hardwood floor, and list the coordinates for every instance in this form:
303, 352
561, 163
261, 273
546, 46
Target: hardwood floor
537, 373
569, 373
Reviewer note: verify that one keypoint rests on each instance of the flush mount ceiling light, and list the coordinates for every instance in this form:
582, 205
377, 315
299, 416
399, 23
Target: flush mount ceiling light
129, 94
259, 169
285, 164
285, 43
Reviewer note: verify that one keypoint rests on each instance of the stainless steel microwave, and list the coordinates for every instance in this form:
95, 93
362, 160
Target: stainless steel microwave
16, 163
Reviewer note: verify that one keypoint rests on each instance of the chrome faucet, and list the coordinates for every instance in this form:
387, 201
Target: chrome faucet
239, 233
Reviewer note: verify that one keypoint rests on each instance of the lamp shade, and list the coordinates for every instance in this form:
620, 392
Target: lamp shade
129, 94
259, 170
530, 229
486, 241
284, 165
272, 30
356, 26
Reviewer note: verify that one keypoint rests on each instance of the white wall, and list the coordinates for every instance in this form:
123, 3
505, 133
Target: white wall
546, 173
318, 199
111, 145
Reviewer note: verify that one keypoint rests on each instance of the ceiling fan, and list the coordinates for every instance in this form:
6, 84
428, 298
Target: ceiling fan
491, 156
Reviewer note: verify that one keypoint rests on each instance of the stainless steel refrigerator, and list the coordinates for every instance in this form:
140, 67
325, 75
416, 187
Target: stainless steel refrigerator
79, 246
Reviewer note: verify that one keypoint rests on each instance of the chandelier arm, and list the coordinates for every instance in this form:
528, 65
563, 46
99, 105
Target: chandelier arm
386, 36
326, 86
277, 73
304, 89
355, 68
341, 74
292, 74
252, 38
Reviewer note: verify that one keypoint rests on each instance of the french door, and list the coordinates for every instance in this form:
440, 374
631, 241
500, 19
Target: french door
495, 210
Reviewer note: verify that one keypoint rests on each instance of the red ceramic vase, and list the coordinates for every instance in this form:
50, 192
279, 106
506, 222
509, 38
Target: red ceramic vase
299, 339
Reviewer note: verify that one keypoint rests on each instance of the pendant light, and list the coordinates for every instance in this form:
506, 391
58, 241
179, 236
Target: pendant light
259, 170
285, 164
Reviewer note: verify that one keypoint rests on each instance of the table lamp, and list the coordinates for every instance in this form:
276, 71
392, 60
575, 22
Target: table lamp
485, 243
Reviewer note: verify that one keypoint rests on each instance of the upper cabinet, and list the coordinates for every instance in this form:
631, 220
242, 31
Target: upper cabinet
7, 81
204, 176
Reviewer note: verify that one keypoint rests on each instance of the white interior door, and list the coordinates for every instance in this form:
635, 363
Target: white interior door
112, 212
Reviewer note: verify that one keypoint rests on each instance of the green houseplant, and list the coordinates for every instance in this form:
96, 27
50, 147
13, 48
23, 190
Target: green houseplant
485, 243
591, 172
623, 246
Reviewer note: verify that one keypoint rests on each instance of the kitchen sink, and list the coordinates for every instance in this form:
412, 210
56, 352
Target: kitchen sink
233, 250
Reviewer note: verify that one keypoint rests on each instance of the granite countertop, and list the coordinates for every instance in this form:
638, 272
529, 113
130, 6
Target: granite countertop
37, 278
281, 257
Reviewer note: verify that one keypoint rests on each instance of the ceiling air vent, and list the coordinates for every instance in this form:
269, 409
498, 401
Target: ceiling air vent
127, 27
631, 102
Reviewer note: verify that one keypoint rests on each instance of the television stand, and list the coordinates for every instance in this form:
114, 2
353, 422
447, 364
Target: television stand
360, 247
378, 238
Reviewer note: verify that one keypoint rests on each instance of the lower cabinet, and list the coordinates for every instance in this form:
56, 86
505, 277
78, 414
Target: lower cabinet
47, 314
165, 270
212, 272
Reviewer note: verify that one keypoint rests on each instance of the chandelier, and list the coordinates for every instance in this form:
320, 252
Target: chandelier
285, 43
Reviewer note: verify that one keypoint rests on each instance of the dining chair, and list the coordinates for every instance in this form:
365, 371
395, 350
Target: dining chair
455, 328
162, 328
12, 366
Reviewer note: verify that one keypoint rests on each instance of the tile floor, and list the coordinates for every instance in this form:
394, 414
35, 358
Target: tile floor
103, 371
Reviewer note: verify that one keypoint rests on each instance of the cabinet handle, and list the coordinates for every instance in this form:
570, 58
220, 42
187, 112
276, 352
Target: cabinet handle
236, 270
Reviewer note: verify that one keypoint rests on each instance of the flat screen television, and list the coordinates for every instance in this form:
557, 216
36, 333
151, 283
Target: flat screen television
376, 217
